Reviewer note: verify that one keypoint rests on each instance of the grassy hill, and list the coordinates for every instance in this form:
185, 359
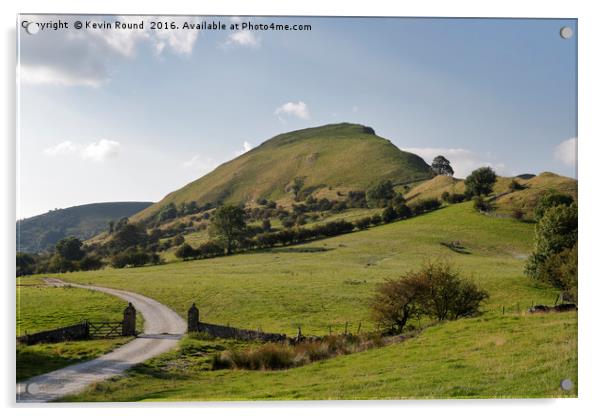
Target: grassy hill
329, 282
39, 233
504, 200
337, 156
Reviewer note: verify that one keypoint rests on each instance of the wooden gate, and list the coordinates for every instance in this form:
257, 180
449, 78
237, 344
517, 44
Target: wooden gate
105, 329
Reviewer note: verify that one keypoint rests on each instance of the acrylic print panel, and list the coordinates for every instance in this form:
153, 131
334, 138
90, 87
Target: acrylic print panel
296, 208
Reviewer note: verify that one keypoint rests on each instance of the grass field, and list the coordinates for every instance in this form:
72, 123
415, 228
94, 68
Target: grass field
41, 307
329, 282
495, 356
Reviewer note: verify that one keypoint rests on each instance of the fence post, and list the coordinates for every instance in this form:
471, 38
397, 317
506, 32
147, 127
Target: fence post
503, 310
193, 318
346, 325
128, 327
359, 328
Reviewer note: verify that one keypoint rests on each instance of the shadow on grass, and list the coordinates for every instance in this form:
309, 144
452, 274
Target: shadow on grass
31, 363
299, 249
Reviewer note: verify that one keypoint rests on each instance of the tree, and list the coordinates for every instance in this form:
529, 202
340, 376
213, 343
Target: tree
185, 251
228, 226
549, 200
128, 235
380, 195
441, 166
296, 187
26, 264
449, 296
70, 249
111, 225
555, 237
480, 181
398, 300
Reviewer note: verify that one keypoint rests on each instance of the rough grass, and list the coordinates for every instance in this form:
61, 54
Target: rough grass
487, 357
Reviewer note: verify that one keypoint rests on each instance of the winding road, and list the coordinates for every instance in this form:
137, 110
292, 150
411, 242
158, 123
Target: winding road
162, 330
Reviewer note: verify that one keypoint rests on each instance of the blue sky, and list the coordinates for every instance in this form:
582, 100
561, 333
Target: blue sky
132, 115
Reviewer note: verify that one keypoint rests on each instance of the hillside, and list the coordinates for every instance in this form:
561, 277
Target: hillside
39, 233
324, 284
337, 156
504, 201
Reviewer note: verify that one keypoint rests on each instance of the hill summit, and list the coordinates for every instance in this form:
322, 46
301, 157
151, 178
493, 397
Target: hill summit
343, 156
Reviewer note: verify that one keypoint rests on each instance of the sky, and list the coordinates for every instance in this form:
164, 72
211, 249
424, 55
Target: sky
133, 114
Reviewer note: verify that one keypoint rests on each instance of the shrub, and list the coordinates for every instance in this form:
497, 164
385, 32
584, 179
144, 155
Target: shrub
380, 195
90, 262
436, 290
549, 200
515, 186
480, 205
185, 252
426, 205
362, 223
388, 215
178, 240
480, 181
357, 199
376, 219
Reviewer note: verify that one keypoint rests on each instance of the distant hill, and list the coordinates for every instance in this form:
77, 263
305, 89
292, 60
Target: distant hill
41, 232
336, 156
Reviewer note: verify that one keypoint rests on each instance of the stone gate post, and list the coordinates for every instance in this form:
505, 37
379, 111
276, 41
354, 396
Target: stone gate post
129, 321
193, 319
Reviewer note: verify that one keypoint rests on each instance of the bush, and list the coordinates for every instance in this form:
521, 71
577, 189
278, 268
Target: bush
357, 199
362, 223
518, 214
90, 262
554, 258
452, 198
550, 200
185, 252
436, 290
480, 181
380, 195
480, 205
376, 219
515, 186
426, 205
388, 215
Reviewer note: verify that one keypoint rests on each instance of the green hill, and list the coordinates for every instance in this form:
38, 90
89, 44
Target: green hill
337, 156
39, 233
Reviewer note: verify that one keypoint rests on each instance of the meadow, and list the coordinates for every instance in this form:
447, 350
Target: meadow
329, 282
321, 285
41, 307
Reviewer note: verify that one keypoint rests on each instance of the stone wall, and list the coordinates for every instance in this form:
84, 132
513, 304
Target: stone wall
67, 333
220, 331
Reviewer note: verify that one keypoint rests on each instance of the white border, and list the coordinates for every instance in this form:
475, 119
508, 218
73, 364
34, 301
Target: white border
590, 35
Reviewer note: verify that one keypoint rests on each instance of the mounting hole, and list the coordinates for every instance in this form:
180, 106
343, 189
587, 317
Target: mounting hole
566, 384
32, 28
566, 32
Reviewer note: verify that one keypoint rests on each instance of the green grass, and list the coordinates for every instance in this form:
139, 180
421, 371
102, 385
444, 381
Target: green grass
309, 284
486, 357
33, 360
331, 281
41, 307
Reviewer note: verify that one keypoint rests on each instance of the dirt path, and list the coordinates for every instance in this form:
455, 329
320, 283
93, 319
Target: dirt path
162, 330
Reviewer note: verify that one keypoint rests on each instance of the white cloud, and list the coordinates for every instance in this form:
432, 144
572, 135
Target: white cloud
246, 146
64, 148
96, 152
244, 38
101, 150
463, 161
84, 58
566, 152
298, 110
